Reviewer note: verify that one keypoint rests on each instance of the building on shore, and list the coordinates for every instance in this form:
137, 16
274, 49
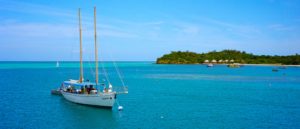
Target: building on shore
213, 61
206, 61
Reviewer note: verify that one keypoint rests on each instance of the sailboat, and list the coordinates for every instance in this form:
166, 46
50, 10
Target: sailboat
85, 92
57, 64
210, 65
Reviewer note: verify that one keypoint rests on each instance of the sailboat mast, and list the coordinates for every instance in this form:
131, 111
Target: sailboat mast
96, 48
81, 65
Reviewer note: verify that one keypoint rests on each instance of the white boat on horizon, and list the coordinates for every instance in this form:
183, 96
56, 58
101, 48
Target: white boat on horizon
57, 64
210, 65
89, 93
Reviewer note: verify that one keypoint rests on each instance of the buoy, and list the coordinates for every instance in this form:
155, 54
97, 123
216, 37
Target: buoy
120, 108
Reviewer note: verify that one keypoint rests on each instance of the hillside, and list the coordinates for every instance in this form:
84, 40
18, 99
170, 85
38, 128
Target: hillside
226, 56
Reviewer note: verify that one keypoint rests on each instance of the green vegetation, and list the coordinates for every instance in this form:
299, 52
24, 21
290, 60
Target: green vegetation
238, 57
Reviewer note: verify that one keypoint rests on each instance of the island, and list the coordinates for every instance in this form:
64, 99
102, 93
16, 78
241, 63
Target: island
226, 57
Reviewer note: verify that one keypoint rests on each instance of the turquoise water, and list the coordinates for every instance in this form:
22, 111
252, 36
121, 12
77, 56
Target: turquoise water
160, 96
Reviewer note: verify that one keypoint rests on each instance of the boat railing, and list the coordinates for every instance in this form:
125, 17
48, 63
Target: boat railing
120, 89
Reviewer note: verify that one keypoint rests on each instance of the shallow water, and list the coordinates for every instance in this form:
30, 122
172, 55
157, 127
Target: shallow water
160, 96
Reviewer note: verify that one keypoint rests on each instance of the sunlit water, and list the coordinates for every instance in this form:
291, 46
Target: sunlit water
160, 96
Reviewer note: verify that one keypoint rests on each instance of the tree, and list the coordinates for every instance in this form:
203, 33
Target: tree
179, 57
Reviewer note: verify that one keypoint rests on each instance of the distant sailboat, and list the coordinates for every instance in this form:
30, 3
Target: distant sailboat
88, 93
57, 64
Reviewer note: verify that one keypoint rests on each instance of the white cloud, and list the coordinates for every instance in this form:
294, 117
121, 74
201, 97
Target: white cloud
246, 31
31, 30
280, 27
22, 7
186, 28
119, 34
47, 30
153, 23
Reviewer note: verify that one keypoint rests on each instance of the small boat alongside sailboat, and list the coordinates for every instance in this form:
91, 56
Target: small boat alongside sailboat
56, 91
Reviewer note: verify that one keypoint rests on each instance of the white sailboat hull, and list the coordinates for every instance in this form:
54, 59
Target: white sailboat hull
106, 100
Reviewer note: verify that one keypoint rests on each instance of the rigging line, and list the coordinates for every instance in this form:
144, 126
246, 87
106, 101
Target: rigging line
119, 74
90, 60
92, 70
117, 69
89, 55
104, 71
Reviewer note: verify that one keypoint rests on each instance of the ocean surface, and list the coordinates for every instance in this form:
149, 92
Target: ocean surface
160, 96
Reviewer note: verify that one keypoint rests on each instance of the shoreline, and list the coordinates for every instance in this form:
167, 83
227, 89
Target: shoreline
239, 64
264, 65
279, 65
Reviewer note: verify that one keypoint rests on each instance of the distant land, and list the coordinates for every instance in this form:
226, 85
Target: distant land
225, 57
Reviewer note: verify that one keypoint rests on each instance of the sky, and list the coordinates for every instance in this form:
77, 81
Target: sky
143, 30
